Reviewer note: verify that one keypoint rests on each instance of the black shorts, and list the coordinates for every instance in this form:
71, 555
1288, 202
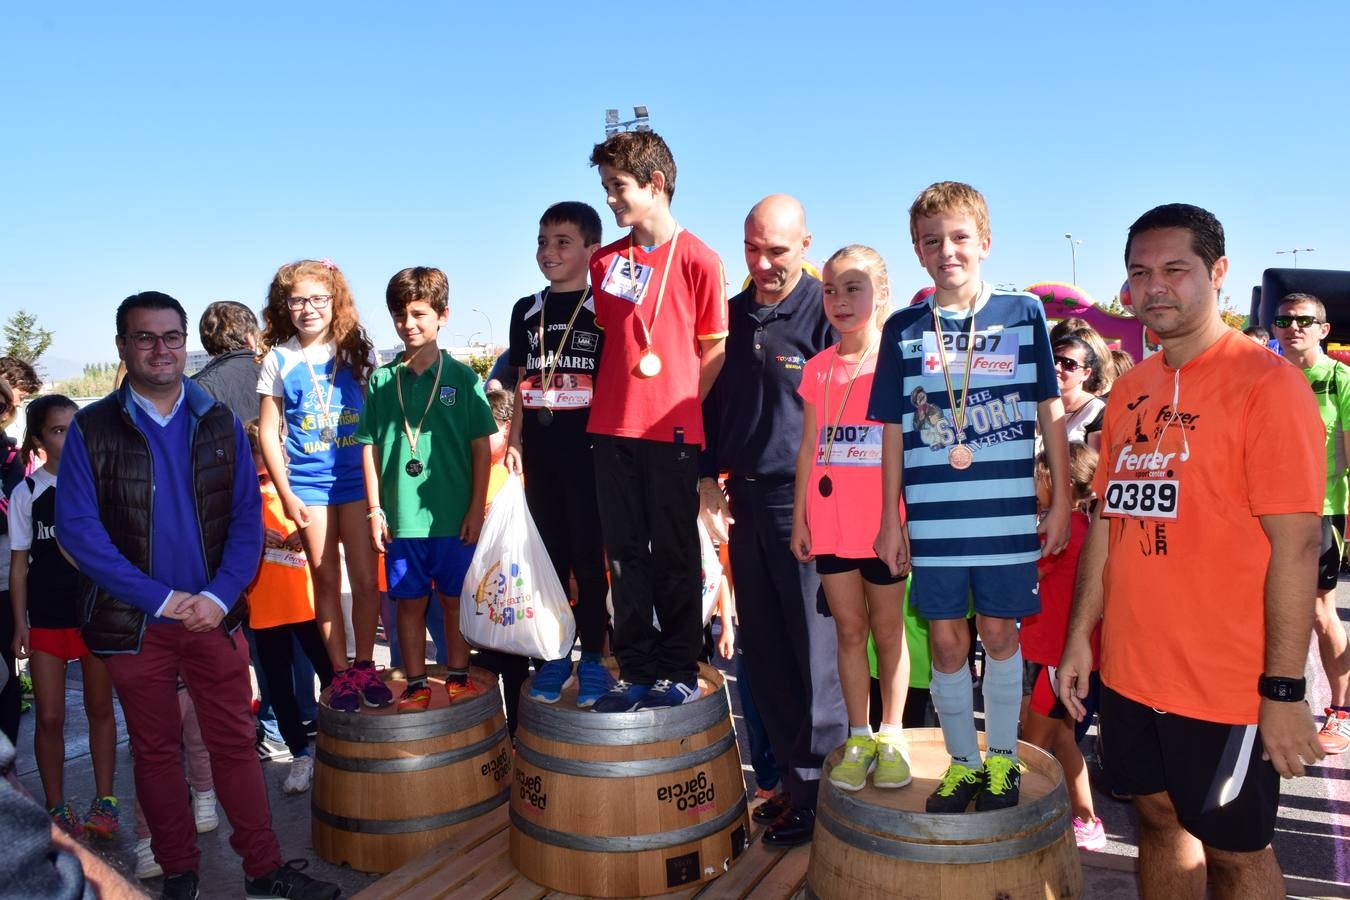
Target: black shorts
1333, 549
873, 570
1223, 792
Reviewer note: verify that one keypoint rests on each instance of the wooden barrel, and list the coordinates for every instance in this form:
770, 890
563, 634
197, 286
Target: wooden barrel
880, 843
390, 785
627, 804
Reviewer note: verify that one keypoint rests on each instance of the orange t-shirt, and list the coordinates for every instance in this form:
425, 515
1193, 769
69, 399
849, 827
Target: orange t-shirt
282, 593
1190, 459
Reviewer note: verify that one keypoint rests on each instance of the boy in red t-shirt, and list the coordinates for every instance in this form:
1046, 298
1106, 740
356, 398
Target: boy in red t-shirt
660, 296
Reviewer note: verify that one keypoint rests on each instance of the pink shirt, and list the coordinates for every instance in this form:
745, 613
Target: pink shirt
846, 522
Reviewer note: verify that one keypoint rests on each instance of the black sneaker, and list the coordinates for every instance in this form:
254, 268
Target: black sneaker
180, 887
1001, 790
960, 784
288, 882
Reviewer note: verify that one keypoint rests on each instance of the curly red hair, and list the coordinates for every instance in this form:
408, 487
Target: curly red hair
354, 346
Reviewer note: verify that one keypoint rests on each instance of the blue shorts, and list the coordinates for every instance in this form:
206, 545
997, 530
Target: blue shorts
415, 565
1002, 592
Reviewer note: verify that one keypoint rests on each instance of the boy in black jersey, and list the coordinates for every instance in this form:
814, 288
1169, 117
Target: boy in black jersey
555, 347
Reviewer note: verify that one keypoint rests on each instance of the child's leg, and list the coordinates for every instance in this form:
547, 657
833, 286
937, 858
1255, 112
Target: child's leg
412, 636
311, 642
457, 648
953, 693
98, 707
1075, 769
1002, 683
885, 606
49, 743
198, 759
354, 531
275, 652
848, 607
320, 540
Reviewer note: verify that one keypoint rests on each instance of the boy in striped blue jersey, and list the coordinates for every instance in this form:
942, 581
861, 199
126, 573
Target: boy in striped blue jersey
962, 381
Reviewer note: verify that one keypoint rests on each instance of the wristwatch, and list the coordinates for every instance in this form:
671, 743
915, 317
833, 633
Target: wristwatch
1287, 690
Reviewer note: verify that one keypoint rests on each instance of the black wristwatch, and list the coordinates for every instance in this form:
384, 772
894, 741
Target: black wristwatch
1287, 690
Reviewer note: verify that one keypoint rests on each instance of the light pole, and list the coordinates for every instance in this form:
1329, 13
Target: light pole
1073, 254
639, 122
491, 339
1296, 251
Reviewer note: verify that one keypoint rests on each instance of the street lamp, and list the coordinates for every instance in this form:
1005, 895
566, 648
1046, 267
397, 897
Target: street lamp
639, 122
1073, 253
492, 339
1296, 251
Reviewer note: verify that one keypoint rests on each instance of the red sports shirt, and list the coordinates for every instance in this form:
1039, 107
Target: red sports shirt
664, 408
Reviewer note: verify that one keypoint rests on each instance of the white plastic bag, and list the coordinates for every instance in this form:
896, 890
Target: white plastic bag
512, 600
711, 564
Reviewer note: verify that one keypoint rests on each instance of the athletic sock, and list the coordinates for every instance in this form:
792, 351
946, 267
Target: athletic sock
1335, 708
1002, 702
954, 700
458, 676
590, 657
891, 729
860, 731
417, 682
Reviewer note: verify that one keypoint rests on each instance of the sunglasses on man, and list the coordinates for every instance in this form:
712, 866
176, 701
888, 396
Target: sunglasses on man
1303, 321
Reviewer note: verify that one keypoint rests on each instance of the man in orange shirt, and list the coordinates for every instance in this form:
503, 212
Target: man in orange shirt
1200, 565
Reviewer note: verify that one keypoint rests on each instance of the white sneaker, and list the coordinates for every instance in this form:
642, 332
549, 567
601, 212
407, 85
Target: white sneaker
146, 867
204, 810
301, 774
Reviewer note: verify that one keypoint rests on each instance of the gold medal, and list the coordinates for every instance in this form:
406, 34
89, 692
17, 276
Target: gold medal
649, 366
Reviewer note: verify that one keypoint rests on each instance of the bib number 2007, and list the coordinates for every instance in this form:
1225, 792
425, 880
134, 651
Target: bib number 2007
1144, 499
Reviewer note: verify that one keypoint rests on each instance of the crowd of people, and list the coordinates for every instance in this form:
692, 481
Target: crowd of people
888, 485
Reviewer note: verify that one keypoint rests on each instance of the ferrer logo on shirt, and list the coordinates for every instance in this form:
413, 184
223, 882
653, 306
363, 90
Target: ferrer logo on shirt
448, 396
994, 354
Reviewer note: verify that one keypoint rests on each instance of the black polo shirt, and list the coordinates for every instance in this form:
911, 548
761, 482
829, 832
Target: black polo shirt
752, 418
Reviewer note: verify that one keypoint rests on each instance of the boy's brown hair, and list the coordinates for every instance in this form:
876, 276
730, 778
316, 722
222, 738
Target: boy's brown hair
949, 196
418, 283
226, 326
639, 153
20, 375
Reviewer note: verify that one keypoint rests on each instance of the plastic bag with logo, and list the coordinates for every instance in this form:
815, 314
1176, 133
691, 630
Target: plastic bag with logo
512, 600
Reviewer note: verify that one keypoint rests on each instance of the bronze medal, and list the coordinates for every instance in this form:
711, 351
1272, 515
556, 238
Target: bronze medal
826, 486
327, 435
545, 416
414, 467
960, 457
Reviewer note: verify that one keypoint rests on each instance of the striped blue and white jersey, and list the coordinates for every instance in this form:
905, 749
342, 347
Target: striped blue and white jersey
984, 515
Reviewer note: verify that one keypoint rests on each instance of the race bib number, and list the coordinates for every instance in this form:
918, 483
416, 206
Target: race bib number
565, 391
994, 354
1142, 499
627, 280
282, 557
854, 445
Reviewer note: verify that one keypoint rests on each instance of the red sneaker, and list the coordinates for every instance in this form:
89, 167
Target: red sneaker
461, 690
1335, 734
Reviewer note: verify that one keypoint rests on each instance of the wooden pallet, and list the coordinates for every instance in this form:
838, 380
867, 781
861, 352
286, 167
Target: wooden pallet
475, 864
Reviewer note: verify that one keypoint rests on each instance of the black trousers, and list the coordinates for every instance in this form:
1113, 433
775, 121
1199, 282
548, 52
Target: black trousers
648, 497
560, 491
276, 651
788, 647
10, 696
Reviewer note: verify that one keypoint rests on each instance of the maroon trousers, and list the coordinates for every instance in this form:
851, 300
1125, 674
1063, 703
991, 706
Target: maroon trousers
215, 668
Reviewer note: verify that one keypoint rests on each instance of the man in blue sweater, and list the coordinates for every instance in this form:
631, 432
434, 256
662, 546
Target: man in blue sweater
159, 507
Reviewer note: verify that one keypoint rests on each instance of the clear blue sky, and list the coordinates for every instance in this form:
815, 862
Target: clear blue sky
193, 148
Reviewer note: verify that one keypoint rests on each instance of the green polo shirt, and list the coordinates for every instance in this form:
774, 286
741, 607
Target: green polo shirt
432, 503
1330, 381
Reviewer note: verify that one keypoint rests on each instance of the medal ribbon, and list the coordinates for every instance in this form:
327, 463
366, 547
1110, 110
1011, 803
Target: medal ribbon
958, 414
543, 308
318, 392
829, 378
408, 431
661, 291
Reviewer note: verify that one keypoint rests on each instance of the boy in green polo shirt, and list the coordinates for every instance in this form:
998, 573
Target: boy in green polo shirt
425, 427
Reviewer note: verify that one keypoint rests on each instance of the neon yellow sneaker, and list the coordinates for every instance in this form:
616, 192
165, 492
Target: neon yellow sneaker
860, 758
892, 769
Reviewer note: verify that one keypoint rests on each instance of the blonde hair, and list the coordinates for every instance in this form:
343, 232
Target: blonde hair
949, 196
869, 261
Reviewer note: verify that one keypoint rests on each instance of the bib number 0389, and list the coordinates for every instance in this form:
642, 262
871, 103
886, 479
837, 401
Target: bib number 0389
1144, 499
